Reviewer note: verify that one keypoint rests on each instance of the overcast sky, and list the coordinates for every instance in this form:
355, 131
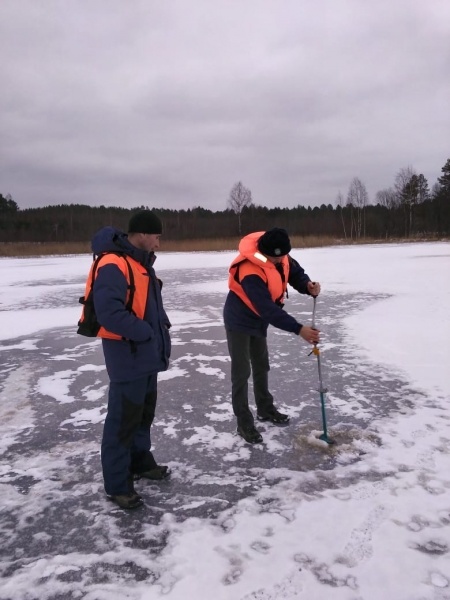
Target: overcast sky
170, 103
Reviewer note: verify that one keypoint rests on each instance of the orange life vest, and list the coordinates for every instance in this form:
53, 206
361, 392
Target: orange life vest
138, 279
251, 262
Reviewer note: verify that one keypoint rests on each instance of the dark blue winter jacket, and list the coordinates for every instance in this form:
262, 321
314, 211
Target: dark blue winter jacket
146, 346
239, 317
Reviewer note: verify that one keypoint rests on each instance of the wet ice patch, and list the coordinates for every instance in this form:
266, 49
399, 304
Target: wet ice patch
84, 349
16, 411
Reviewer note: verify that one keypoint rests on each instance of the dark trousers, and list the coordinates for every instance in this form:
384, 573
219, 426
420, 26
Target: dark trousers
249, 355
126, 434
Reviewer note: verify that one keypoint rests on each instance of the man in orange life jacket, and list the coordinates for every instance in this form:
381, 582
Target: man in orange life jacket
258, 279
136, 346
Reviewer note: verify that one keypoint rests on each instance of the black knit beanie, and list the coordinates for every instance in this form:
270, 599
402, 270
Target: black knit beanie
145, 221
274, 242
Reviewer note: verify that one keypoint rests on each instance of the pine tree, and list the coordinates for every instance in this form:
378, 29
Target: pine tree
7, 204
444, 180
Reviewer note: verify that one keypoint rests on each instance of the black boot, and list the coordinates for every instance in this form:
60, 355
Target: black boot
274, 416
250, 434
127, 501
155, 474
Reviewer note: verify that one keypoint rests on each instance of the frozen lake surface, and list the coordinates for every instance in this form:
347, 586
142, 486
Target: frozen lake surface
365, 519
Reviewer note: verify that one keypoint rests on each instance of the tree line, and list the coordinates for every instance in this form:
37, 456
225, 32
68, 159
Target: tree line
408, 209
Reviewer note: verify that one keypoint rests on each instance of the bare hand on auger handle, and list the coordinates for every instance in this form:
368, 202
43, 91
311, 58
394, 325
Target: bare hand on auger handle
313, 288
311, 334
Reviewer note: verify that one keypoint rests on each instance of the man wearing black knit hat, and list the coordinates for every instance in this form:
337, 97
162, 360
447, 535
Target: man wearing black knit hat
257, 282
134, 328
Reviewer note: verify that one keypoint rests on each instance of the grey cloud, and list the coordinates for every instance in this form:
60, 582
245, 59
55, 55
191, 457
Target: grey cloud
169, 104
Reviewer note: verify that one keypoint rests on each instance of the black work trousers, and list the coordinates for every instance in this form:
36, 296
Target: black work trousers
249, 355
126, 439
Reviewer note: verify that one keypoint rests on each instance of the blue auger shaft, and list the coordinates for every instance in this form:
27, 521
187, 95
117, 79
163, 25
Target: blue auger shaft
322, 390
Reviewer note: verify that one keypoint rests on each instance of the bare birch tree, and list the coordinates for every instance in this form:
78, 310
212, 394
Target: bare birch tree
404, 188
240, 197
340, 207
387, 198
358, 198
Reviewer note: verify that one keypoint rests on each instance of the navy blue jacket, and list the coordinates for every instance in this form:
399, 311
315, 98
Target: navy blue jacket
146, 349
239, 317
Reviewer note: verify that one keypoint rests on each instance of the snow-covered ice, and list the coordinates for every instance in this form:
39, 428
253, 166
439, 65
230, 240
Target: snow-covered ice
366, 519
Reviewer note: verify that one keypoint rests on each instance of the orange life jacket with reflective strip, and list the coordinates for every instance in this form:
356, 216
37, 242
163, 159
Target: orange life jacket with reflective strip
137, 281
251, 262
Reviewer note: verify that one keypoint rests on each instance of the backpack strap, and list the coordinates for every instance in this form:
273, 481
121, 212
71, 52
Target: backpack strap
131, 286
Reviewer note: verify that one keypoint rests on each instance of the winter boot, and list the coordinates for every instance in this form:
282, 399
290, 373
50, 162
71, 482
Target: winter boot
156, 474
127, 501
274, 416
250, 434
